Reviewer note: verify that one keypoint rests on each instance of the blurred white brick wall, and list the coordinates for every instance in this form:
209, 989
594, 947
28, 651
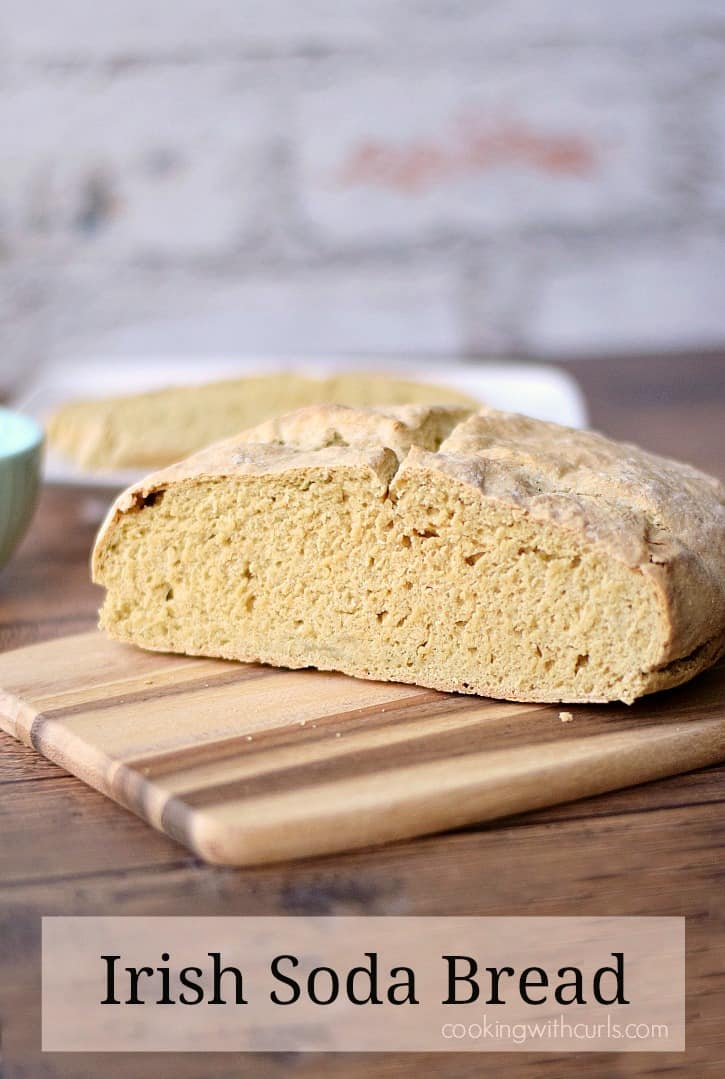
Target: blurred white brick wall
386, 176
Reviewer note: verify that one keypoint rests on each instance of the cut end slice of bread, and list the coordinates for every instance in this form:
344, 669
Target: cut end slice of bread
473, 552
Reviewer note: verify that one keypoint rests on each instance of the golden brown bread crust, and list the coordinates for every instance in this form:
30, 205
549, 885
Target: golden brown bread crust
659, 518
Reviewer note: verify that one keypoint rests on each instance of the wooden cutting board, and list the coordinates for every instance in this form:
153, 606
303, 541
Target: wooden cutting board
246, 764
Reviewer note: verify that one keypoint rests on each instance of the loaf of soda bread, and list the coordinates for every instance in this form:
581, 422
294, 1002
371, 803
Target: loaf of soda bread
477, 552
149, 430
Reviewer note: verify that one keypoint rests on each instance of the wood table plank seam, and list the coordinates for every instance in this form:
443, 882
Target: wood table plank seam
35, 779
543, 816
190, 861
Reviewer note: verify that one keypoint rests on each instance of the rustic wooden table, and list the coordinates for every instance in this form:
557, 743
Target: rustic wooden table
654, 849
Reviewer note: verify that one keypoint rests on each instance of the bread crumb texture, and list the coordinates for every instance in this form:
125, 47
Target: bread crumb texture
476, 552
149, 430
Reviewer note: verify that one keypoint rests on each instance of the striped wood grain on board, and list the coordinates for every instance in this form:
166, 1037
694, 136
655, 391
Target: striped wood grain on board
246, 764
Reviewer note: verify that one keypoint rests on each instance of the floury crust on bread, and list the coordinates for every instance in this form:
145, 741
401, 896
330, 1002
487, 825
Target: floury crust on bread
475, 552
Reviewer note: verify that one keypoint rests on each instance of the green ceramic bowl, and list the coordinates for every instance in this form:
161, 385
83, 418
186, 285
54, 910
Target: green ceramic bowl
21, 449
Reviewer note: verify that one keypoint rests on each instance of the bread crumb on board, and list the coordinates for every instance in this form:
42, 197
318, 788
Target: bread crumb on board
566, 717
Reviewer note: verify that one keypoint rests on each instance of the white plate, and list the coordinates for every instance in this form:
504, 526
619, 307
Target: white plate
536, 390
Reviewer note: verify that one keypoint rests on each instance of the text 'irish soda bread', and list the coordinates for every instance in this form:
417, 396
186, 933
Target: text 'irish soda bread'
479, 552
